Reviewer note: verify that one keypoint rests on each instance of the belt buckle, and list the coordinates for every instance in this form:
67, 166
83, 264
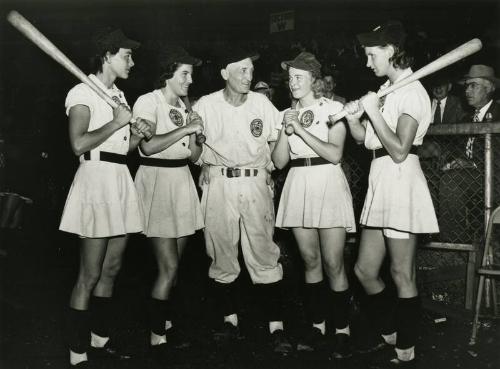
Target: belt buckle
233, 172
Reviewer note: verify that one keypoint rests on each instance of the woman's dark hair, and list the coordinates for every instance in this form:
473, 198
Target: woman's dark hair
97, 60
166, 72
401, 59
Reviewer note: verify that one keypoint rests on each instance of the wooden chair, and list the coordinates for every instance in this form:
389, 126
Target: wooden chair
489, 269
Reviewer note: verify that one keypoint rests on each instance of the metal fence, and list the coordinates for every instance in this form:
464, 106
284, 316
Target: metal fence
464, 189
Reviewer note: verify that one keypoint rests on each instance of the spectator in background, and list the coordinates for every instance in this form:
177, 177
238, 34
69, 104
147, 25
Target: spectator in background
263, 88
330, 85
446, 108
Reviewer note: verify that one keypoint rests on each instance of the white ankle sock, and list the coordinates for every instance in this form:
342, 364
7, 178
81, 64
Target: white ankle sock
275, 325
345, 330
97, 341
321, 326
75, 358
390, 338
233, 319
156, 339
406, 354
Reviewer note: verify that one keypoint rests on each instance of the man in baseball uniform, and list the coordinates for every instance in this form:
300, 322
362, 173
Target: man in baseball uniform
237, 199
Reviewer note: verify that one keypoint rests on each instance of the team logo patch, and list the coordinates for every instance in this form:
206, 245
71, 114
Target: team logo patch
307, 118
176, 117
256, 127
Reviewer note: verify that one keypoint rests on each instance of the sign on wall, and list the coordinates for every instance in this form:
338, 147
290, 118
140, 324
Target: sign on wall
282, 21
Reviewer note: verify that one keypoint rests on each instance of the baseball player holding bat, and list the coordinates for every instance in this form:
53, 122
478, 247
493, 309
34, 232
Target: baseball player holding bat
316, 201
240, 126
167, 193
398, 204
102, 206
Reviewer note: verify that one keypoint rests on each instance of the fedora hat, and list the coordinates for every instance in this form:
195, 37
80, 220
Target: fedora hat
481, 71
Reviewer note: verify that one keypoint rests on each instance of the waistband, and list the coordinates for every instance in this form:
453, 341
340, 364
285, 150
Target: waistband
378, 153
163, 163
307, 162
235, 172
110, 157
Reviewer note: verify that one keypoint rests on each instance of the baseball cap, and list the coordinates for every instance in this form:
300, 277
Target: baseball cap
304, 61
391, 32
109, 38
175, 54
232, 54
261, 86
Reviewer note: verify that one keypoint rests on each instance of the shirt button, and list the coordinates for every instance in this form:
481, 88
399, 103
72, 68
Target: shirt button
125, 138
183, 144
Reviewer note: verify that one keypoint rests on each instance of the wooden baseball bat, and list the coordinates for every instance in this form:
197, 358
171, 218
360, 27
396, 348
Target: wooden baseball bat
33, 34
289, 129
447, 59
200, 137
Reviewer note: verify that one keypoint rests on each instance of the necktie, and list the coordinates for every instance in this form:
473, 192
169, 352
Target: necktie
437, 113
470, 141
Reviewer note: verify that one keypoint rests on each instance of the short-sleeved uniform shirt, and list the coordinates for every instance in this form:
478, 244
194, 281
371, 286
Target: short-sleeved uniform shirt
412, 100
238, 136
154, 107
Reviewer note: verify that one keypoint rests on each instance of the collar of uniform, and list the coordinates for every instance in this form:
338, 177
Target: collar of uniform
98, 82
160, 95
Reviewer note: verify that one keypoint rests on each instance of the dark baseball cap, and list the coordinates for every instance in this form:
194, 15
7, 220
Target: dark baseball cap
391, 32
109, 38
304, 61
176, 54
232, 54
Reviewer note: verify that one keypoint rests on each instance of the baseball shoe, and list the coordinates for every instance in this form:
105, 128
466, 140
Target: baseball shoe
177, 339
229, 332
396, 363
81, 365
109, 351
369, 345
280, 343
312, 341
342, 346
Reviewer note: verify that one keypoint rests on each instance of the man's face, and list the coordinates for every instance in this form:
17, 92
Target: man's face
441, 91
239, 76
181, 80
477, 92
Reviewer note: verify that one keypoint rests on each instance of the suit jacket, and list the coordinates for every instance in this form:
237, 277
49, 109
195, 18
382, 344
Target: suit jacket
453, 110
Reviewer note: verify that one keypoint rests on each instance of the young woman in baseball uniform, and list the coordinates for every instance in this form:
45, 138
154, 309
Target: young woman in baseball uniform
316, 201
102, 205
167, 193
398, 204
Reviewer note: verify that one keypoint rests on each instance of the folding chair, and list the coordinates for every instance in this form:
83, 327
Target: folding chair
490, 268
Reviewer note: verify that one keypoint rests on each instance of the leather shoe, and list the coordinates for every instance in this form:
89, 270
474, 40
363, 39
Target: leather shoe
109, 351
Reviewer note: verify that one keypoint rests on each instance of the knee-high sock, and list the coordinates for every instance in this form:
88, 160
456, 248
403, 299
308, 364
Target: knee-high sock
314, 302
271, 296
158, 314
78, 330
340, 302
407, 320
101, 315
380, 310
224, 296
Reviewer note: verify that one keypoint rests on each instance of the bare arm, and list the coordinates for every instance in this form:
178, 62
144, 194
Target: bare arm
397, 144
356, 126
280, 154
79, 119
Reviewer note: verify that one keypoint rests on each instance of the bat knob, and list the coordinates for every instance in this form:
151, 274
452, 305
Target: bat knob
200, 138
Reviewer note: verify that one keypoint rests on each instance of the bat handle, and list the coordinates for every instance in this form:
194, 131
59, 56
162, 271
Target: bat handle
200, 138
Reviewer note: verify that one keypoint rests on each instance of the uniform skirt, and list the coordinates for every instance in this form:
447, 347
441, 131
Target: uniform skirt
169, 201
316, 197
398, 197
102, 202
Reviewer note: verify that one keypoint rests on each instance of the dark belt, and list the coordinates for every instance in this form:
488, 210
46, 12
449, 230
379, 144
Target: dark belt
238, 172
307, 162
163, 163
108, 156
378, 153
